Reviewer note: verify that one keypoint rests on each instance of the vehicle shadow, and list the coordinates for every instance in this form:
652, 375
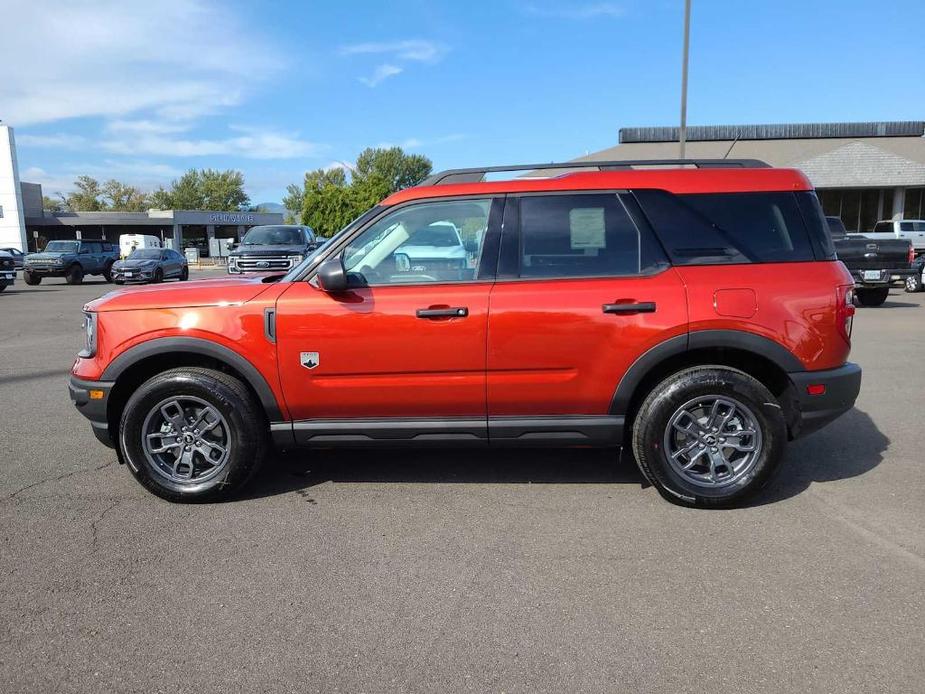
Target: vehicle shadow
849, 447
890, 304
299, 470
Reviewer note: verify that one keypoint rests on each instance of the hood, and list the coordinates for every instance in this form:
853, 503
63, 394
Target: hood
137, 262
433, 251
280, 249
217, 292
47, 255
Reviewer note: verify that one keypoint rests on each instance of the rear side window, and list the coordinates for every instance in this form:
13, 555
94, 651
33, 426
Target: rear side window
728, 228
588, 235
911, 226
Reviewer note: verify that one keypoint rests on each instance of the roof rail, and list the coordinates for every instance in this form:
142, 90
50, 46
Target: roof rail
477, 174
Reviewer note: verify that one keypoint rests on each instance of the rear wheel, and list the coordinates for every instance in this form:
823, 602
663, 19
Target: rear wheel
709, 436
192, 434
31, 279
914, 282
872, 297
74, 275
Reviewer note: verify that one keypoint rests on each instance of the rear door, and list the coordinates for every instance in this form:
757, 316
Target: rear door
582, 292
401, 354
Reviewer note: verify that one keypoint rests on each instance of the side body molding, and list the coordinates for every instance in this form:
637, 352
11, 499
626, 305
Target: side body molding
701, 339
206, 348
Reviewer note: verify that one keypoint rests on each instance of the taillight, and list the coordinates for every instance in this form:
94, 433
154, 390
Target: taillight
845, 310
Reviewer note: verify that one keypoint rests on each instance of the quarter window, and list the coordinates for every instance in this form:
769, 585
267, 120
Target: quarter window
428, 243
587, 235
722, 228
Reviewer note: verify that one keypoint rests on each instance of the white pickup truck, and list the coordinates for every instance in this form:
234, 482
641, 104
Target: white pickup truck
909, 229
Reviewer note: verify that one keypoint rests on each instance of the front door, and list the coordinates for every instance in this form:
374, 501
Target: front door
402, 352
581, 293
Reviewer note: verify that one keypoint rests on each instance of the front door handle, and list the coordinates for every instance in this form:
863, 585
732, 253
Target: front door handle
449, 312
640, 307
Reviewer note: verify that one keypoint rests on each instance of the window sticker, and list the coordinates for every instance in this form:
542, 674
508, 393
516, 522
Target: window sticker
586, 225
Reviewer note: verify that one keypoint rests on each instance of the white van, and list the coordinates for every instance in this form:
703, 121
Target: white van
129, 242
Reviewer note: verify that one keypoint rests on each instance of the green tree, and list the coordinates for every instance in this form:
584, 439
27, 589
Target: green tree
124, 198
330, 201
223, 190
52, 205
160, 199
186, 192
391, 167
293, 201
87, 197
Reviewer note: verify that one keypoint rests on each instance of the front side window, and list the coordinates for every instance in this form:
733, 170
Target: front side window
435, 242
583, 235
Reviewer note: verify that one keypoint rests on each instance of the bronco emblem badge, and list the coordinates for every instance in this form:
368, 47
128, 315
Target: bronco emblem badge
309, 359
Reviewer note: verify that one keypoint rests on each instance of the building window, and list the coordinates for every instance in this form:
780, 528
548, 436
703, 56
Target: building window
858, 208
914, 207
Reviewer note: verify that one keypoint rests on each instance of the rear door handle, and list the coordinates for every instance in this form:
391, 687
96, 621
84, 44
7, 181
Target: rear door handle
640, 307
450, 312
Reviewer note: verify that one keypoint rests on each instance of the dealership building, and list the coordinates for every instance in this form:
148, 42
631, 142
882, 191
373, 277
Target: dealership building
25, 225
863, 172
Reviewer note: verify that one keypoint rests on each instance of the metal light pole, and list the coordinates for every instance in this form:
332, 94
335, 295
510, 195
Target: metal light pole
687, 34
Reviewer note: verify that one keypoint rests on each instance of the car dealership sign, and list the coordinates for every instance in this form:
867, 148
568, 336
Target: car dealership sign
231, 218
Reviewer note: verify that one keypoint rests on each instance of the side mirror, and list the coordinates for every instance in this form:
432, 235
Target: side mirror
471, 245
332, 277
402, 262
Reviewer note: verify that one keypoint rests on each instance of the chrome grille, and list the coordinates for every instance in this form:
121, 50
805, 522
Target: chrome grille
259, 263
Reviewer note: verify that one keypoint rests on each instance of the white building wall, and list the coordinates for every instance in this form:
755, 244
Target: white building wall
12, 224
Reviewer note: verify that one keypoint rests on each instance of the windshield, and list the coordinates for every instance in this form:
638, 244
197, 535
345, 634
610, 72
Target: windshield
439, 235
274, 236
61, 247
145, 254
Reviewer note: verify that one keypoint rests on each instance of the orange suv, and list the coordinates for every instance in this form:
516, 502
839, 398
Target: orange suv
693, 311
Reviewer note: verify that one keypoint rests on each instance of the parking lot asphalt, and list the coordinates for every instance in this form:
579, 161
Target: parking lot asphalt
508, 571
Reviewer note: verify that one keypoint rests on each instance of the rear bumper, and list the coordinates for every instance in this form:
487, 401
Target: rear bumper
93, 409
887, 275
813, 412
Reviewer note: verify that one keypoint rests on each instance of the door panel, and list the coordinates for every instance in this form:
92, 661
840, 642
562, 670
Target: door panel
377, 358
553, 350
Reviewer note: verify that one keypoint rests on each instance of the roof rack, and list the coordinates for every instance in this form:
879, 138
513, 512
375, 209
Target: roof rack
475, 175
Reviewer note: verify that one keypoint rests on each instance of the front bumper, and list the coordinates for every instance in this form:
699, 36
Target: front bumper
45, 270
137, 276
813, 412
93, 408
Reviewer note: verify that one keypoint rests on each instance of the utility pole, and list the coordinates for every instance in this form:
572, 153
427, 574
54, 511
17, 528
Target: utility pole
682, 139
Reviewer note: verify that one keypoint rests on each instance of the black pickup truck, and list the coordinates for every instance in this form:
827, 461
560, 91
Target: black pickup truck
875, 265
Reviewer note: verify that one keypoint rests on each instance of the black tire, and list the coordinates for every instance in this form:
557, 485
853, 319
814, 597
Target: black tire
184, 274
74, 275
872, 297
649, 435
118, 281
913, 283
158, 276
246, 432
107, 273
31, 279
2, 287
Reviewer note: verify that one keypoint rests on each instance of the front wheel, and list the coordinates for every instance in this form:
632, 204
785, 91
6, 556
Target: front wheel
107, 273
158, 276
31, 279
914, 283
193, 434
709, 436
872, 297
184, 274
75, 275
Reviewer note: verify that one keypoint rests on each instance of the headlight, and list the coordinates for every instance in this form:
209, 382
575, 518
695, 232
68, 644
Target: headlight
89, 349
296, 259
59, 261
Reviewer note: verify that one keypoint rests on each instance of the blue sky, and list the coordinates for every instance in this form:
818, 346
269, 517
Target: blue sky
143, 91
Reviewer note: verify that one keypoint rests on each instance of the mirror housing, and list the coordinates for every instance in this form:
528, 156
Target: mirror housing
332, 277
402, 262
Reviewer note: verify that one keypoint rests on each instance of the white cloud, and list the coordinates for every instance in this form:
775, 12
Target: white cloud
146, 127
56, 141
412, 143
142, 173
592, 10
251, 143
110, 58
381, 73
418, 50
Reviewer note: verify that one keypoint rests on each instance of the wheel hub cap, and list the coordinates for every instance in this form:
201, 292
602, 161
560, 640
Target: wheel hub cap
712, 441
186, 440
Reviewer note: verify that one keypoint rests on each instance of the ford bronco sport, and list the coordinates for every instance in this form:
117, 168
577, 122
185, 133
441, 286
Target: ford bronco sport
692, 312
